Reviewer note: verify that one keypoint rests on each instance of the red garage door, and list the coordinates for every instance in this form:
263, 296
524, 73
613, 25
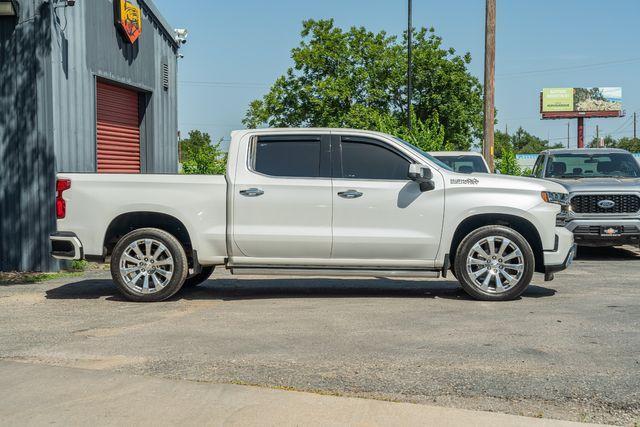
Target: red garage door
118, 129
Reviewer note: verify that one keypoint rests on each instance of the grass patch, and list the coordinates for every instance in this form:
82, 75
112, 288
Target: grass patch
28, 278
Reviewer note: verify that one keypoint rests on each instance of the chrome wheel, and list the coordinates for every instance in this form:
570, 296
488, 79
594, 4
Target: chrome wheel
146, 266
495, 264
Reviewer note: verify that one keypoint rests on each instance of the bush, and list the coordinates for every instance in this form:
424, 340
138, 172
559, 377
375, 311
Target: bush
508, 164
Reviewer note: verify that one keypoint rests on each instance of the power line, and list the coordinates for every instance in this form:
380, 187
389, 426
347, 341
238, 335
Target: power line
223, 84
570, 68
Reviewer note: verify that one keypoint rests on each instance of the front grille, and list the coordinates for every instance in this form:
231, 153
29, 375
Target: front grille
624, 203
595, 230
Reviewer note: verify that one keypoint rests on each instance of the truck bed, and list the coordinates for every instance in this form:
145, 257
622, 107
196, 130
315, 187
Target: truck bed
198, 201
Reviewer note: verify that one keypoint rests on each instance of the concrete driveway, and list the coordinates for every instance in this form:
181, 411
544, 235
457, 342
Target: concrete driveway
567, 349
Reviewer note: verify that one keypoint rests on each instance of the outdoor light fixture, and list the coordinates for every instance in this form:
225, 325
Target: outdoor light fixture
8, 8
181, 35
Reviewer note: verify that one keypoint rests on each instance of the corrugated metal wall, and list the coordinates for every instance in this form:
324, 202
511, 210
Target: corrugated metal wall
26, 149
89, 46
49, 63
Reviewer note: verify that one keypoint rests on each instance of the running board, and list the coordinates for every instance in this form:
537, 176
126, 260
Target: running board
335, 272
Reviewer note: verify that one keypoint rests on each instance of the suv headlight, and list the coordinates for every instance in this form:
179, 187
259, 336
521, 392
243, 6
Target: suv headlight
556, 198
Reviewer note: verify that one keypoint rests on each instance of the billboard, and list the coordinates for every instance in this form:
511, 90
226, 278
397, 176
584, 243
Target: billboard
582, 102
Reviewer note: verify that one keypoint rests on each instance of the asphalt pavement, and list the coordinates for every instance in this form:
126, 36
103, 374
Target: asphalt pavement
566, 350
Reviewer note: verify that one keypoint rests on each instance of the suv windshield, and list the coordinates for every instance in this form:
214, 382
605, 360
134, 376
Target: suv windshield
423, 153
616, 165
464, 163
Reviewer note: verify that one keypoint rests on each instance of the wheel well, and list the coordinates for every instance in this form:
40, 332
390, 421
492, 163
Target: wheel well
520, 225
126, 223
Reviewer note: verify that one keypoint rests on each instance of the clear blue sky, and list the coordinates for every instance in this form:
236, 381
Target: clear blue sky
243, 45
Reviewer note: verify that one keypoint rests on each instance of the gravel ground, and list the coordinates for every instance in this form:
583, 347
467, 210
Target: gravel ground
567, 349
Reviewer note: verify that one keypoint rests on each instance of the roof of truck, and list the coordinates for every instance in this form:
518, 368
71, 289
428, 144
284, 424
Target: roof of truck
585, 151
455, 153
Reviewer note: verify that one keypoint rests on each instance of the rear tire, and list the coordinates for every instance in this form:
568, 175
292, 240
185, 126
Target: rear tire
148, 265
199, 278
494, 263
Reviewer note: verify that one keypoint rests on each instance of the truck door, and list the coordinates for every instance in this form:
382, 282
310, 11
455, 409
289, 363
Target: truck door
380, 217
282, 199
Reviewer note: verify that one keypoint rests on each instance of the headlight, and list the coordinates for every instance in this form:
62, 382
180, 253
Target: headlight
557, 198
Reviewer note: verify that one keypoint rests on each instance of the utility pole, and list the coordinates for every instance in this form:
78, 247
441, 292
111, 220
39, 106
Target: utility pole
409, 63
489, 81
598, 134
568, 134
635, 135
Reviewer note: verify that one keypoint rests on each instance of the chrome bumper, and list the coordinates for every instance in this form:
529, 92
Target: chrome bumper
561, 257
66, 246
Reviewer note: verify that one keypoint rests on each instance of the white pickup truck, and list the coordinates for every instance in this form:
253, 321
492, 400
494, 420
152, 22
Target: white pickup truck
321, 202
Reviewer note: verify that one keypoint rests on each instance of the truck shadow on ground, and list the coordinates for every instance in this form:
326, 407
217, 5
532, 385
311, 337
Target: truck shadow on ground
226, 289
619, 253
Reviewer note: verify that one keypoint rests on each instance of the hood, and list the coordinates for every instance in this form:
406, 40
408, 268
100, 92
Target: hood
507, 182
599, 184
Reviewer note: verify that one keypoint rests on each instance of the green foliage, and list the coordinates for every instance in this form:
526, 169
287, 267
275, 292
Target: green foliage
357, 78
629, 144
525, 143
507, 163
78, 265
200, 157
626, 143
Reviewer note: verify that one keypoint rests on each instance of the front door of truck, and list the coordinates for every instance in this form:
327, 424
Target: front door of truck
282, 199
380, 217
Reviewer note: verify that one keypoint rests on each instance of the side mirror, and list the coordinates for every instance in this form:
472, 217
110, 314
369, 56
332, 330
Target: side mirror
422, 175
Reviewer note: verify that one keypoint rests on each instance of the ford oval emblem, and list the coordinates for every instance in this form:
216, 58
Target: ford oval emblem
606, 204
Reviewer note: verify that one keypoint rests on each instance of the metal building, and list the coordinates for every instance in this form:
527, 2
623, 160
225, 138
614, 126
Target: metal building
85, 86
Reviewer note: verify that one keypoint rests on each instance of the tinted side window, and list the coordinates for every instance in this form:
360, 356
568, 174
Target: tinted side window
288, 157
361, 160
537, 168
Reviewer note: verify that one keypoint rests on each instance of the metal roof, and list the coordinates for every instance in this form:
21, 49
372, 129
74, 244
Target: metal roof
168, 29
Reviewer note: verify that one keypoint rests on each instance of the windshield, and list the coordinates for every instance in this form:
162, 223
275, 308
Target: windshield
423, 153
610, 165
464, 163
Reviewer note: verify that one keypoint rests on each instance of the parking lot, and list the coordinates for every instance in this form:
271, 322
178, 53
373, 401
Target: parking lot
567, 349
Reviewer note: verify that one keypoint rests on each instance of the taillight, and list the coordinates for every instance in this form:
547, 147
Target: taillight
61, 206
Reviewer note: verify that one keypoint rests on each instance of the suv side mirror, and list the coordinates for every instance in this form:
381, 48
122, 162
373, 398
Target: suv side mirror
422, 175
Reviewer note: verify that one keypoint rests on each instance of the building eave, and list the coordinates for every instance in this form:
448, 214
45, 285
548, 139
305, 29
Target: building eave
163, 23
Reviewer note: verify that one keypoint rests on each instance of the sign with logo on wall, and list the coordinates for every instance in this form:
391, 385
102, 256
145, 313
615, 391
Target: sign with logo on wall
129, 19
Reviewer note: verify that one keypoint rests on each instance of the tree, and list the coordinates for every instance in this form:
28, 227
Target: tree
629, 144
357, 78
508, 164
200, 157
525, 143
609, 142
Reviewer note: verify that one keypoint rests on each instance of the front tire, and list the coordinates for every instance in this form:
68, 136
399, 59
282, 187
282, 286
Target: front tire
494, 263
148, 265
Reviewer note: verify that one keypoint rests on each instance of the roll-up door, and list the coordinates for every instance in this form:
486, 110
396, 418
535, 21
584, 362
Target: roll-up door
118, 129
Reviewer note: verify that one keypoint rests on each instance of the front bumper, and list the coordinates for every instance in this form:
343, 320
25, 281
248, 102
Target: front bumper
561, 257
587, 232
66, 246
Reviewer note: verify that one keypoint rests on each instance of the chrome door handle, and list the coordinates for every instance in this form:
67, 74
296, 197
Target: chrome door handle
350, 194
252, 192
